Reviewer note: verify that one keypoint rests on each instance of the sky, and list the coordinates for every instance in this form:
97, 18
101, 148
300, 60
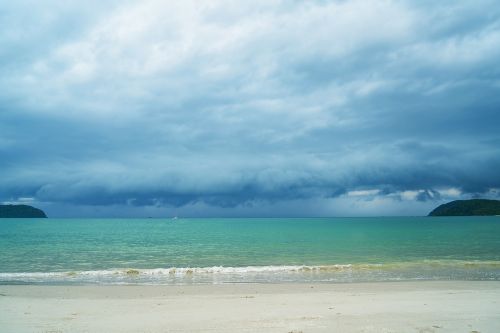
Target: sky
248, 108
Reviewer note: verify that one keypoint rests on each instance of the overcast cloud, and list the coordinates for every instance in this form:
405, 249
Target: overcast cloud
262, 108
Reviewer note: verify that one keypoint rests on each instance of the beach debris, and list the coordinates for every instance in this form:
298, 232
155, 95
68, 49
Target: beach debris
132, 272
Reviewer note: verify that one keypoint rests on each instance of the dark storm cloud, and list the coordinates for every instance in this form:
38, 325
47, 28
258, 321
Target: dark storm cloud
356, 106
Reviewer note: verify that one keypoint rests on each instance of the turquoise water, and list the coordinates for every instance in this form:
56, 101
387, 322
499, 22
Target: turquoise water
248, 250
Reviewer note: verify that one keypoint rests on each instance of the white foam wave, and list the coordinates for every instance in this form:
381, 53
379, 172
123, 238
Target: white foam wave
338, 272
177, 271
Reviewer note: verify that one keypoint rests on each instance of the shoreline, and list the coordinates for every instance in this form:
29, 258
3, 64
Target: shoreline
423, 270
405, 306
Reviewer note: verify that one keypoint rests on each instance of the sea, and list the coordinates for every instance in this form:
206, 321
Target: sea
248, 250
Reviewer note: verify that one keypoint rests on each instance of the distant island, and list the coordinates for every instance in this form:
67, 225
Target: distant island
20, 211
474, 207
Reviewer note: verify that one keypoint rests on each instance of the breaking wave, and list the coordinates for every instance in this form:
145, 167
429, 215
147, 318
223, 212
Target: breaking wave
422, 270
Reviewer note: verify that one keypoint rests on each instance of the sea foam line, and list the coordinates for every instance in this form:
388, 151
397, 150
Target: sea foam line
223, 270
176, 271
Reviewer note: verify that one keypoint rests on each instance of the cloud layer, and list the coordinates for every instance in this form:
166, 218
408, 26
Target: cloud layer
270, 108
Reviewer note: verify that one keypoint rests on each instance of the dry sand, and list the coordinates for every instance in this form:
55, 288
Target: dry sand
371, 307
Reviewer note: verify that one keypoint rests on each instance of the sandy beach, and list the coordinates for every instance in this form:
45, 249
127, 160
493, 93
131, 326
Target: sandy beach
374, 307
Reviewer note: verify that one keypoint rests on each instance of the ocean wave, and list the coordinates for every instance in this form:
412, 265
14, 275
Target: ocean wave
178, 271
258, 269
428, 269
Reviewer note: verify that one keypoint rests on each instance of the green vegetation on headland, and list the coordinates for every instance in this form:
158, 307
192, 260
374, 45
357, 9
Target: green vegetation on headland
472, 207
20, 211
